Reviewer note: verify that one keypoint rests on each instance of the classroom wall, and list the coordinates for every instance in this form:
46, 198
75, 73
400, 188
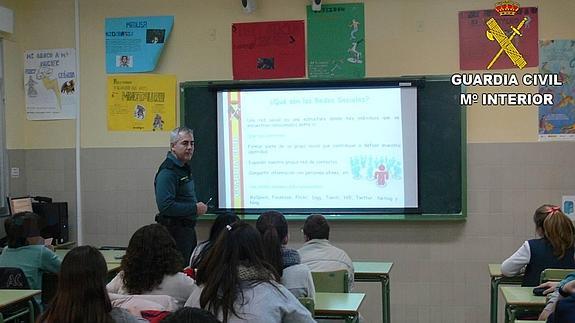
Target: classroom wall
440, 272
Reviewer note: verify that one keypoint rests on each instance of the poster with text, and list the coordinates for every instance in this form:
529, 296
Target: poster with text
336, 41
268, 50
490, 41
49, 84
134, 44
141, 102
557, 121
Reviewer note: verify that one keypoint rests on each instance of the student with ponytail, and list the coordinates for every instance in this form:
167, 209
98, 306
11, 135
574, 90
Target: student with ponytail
237, 284
295, 276
553, 250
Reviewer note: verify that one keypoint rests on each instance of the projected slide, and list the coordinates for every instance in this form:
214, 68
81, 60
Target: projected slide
321, 148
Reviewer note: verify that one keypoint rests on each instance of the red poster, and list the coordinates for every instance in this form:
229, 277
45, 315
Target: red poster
488, 40
268, 50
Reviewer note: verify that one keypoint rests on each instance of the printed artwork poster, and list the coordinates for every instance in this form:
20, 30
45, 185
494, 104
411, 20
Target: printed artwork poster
336, 41
268, 50
141, 102
557, 121
568, 206
490, 41
134, 44
49, 83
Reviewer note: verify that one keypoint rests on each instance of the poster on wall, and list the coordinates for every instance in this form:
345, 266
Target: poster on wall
266, 50
134, 44
336, 41
49, 84
557, 121
504, 37
141, 102
568, 206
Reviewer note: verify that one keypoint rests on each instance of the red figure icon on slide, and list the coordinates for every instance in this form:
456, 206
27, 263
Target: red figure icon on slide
381, 175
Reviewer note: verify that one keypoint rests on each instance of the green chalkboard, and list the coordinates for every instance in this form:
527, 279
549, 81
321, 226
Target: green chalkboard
441, 142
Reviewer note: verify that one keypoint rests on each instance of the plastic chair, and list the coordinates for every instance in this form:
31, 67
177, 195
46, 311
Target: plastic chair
554, 274
331, 281
308, 303
14, 278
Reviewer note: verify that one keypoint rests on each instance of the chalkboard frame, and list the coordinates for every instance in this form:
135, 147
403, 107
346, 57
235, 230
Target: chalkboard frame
450, 121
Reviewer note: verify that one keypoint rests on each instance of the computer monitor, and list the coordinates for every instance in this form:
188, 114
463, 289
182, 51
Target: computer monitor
20, 204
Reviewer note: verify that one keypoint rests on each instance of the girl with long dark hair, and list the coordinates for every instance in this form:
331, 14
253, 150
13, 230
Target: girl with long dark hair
296, 277
237, 284
81, 294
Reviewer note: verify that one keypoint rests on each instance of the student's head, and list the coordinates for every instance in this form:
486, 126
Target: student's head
81, 294
191, 315
315, 227
552, 224
272, 225
182, 143
217, 227
151, 254
236, 256
20, 227
220, 224
124, 59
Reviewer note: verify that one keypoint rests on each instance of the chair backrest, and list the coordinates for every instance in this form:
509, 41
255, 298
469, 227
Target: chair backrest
330, 281
553, 274
308, 303
13, 278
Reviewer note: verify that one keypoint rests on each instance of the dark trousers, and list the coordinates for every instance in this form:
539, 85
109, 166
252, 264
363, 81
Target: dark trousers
186, 240
564, 311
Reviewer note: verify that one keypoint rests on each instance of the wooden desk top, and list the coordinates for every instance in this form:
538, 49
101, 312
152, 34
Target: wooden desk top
495, 270
516, 295
111, 256
338, 303
372, 267
11, 296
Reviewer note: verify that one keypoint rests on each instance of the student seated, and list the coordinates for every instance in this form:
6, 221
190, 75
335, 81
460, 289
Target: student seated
318, 253
295, 276
81, 294
191, 315
238, 285
553, 250
202, 249
26, 249
152, 266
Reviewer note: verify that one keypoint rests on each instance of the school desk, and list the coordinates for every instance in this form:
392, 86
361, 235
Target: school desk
519, 299
338, 304
113, 258
12, 296
376, 271
497, 279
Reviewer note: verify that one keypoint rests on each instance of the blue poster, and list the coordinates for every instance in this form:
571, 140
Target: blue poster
557, 121
134, 44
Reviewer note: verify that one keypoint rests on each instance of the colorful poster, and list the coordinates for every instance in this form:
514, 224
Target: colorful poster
134, 44
336, 41
568, 206
141, 102
49, 84
494, 39
266, 50
557, 121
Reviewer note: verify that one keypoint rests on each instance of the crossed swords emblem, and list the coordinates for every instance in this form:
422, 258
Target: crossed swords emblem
496, 33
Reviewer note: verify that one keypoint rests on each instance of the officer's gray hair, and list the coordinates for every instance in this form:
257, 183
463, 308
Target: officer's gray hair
176, 134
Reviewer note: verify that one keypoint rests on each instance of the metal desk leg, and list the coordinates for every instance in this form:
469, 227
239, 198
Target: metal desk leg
385, 299
31, 310
494, 300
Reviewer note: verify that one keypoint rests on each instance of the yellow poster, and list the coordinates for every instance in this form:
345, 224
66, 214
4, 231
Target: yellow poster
141, 102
